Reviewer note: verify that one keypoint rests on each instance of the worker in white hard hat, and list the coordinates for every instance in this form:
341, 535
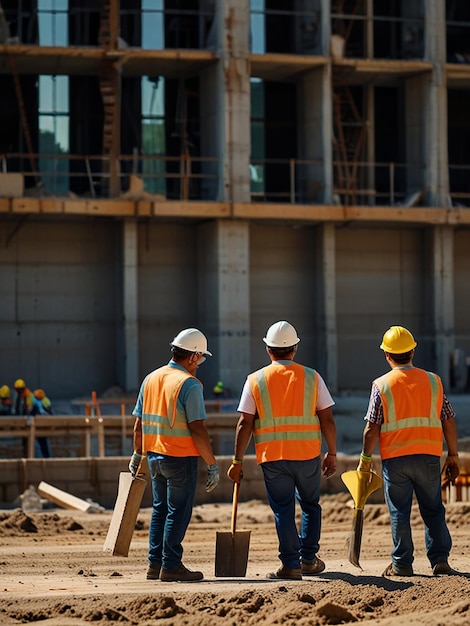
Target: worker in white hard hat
170, 431
408, 415
288, 409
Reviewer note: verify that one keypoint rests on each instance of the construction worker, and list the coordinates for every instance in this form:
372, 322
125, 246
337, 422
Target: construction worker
408, 414
218, 389
42, 406
27, 405
24, 401
43, 403
6, 403
170, 430
287, 407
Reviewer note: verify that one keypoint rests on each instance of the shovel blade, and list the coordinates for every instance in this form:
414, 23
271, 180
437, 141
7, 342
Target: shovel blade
355, 537
231, 553
360, 485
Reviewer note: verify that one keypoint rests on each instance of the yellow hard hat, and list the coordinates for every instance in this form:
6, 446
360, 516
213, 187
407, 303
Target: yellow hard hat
398, 340
5, 391
20, 384
39, 394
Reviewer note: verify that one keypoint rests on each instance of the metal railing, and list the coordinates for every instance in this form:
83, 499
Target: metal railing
53, 26
173, 178
388, 37
291, 181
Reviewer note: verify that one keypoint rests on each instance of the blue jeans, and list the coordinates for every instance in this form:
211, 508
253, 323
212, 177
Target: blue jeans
421, 474
285, 482
173, 489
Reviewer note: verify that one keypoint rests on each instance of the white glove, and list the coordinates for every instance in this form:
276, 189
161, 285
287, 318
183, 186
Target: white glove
134, 463
212, 477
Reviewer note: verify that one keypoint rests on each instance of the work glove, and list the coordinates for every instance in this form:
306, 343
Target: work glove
365, 463
134, 463
213, 476
451, 467
235, 471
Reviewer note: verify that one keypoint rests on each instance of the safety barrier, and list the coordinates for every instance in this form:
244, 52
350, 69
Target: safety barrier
459, 491
91, 435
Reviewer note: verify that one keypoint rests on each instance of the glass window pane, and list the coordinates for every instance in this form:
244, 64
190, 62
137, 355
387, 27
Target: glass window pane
257, 23
61, 99
46, 94
153, 97
152, 25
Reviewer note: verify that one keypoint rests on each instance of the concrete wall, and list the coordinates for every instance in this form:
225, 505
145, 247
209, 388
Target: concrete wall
60, 304
97, 479
380, 282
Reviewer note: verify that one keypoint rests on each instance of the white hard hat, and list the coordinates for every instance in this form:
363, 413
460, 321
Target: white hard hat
281, 335
193, 340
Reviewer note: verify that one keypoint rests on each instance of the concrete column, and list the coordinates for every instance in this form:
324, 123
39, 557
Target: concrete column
315, 136
327, 313
227, 116
130, 305
224, 305
435, 109
443, 282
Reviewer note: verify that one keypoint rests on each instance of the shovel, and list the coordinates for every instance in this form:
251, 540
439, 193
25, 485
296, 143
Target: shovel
231, 548
360, 485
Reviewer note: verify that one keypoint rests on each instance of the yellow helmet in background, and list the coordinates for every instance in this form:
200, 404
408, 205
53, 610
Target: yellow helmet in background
20, 384
398, 340
5, 391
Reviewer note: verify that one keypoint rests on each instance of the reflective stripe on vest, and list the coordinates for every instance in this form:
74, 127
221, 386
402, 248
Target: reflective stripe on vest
418, 427
278, 435
164, 428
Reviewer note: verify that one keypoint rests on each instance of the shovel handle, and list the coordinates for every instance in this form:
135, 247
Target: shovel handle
236, 489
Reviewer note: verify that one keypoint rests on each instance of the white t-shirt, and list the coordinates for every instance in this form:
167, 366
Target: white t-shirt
247, 402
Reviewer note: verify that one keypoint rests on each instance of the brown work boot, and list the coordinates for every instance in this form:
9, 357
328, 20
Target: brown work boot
180, 574
443, 569
398, 570
153, 572
286, 573
312, 568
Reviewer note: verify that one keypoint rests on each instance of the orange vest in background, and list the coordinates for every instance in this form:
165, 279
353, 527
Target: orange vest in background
412, 402
164, 428
286, 426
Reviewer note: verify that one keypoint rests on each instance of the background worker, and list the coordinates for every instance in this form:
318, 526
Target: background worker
408, 413
24, 400
23, 406
287, 407
6, 404
170, 430
42, 406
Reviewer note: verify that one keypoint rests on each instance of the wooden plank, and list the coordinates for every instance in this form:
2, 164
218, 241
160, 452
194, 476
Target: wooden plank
62, 498
121, 528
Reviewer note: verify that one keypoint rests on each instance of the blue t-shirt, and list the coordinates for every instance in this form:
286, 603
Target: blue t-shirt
190, 398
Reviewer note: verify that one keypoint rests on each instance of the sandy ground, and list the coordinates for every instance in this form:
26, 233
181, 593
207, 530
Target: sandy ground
53, 570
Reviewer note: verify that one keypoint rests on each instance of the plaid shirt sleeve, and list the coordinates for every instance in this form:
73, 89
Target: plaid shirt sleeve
447, 411
375, 412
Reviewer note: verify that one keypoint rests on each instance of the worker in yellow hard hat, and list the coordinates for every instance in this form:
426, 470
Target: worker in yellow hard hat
27, 405
24, 401
409, 415
5, 400
218, 389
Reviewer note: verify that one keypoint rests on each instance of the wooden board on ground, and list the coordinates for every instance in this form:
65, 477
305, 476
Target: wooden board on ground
121, 528
62, 498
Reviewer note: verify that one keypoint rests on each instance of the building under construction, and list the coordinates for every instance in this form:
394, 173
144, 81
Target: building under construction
226, 164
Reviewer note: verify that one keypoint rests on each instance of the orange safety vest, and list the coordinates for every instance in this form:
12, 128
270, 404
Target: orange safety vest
412, 401
165, 428
286, 426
